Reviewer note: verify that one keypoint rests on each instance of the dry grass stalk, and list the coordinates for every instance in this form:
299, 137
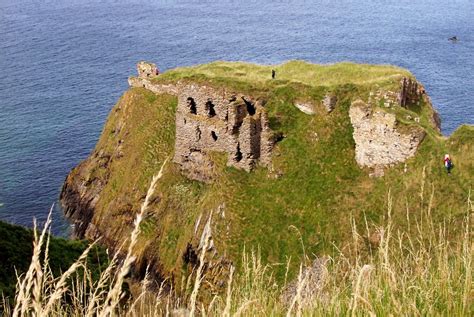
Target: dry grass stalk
422, 273
115, 293
197, 282
23, 295
229, 293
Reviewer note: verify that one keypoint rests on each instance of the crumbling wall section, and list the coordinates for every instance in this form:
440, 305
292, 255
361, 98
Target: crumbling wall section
409, 92
378, 139
171, 89
215, 120
147, 70
224, 124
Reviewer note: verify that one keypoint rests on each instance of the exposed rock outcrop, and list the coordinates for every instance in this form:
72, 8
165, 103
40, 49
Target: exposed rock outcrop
379, 141
79, 196
309, 285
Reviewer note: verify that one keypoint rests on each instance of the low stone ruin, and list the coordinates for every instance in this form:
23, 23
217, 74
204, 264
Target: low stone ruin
410, 93
214, 120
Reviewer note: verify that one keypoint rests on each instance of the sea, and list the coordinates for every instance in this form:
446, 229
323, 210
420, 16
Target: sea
64, 63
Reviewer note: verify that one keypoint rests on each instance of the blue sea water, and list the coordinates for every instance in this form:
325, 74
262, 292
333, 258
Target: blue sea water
64, 63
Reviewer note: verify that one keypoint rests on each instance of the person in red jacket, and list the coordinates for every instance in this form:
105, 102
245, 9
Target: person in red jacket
447, 163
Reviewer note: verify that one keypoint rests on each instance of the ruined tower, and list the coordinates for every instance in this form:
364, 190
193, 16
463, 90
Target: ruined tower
210, 120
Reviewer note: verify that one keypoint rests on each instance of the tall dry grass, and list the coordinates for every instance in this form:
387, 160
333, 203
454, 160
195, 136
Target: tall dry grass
428, 273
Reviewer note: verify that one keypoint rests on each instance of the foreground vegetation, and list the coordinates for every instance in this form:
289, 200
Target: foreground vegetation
426, 271
16, 248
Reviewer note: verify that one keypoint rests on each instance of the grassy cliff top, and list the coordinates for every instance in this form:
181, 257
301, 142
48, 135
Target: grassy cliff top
314, 193
291, 72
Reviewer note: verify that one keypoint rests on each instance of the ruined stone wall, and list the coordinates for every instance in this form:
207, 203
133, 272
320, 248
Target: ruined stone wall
171, 89
378, 141
210, 120
215, 120
147, 70
410, 92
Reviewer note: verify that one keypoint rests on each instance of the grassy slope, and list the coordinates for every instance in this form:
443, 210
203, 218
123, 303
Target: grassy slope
16, 249
321, 187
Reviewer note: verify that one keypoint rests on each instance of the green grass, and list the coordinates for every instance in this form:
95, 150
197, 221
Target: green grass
291, 72
321, 188
426, 273
16, 249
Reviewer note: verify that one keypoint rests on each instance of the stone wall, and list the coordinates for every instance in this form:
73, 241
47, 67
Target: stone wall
215, 120
171, 89
410, 92
379, 141
147, 70
210, 120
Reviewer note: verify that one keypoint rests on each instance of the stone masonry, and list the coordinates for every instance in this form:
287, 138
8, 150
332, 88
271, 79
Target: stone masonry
147, 70
410, 92
379, 141
214, 120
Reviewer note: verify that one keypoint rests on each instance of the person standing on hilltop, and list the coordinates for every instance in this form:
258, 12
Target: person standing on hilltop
273, 74
447, 163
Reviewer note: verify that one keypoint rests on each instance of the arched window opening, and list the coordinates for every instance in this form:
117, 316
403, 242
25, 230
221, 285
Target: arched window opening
192, 106
210, 108
238, 154
250, 107
214, 135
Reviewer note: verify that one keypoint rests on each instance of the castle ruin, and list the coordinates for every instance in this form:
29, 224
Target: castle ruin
213, 120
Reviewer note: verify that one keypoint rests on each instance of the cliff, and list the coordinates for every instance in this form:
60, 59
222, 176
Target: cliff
261, 163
